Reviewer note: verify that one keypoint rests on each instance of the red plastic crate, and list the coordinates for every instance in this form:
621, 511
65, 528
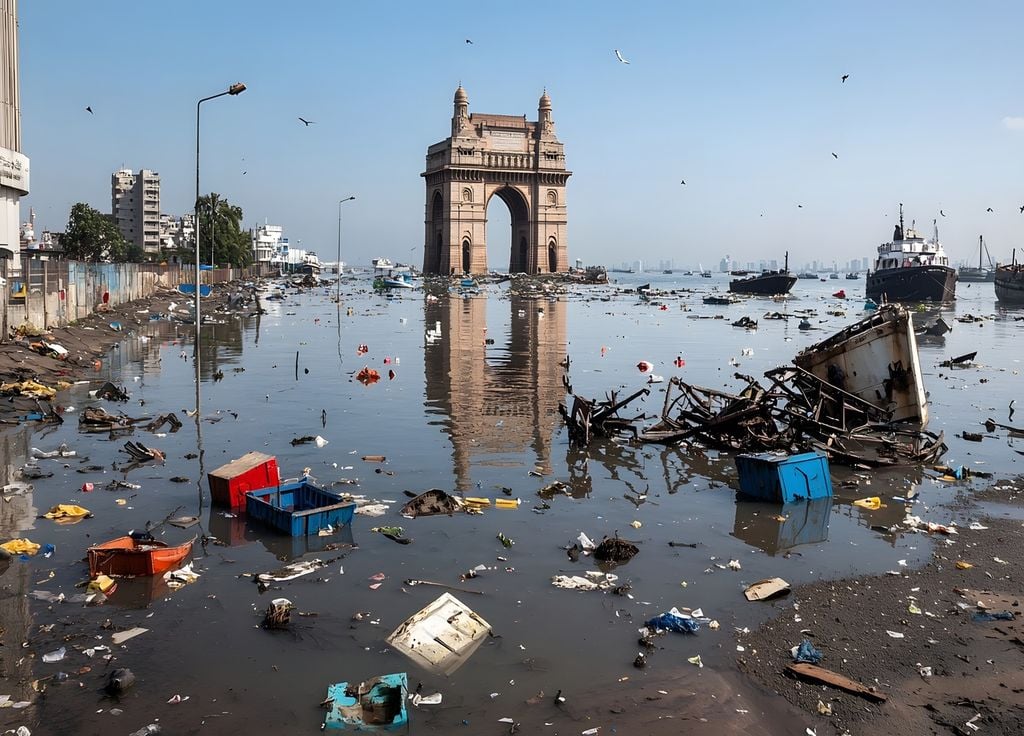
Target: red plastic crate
251, 472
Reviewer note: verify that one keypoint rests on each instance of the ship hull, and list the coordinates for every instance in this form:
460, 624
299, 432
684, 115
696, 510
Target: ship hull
764, 285
912, 284
1009, 285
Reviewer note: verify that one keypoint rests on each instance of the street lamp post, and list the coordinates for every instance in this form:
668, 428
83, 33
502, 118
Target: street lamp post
235, 89
337, 294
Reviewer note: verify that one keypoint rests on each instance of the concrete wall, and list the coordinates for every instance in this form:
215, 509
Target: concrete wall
58, 292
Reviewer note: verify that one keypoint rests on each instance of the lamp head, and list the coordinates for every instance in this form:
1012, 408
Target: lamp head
236, 89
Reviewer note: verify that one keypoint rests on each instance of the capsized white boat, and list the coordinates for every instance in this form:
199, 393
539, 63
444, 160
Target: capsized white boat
875, 359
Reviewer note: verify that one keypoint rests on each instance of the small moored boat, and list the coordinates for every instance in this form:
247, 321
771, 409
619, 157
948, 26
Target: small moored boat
139, 555
722, 299
766, 283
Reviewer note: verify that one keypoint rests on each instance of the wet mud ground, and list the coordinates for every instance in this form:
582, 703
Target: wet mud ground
473, 409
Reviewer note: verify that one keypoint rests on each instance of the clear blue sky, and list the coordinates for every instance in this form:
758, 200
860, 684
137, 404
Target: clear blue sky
743, 100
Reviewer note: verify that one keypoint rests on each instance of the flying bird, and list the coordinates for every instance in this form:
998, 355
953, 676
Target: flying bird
990, 210
1022, 209
942, 213
800, 206
835, 155
844, 78
308, 122
244, 173
470, 42
683, 181
618, 55
88, 109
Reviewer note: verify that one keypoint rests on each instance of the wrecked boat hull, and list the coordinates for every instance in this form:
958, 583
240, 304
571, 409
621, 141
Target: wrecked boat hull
126, 556
876, 360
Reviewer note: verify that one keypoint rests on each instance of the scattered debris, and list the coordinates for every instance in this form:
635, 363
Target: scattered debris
442, 635
828, 677
764, 589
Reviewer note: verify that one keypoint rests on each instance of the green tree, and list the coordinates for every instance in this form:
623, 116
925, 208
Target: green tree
220, 224
92, 236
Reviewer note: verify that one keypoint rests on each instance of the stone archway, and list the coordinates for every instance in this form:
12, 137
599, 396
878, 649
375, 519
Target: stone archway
432, 256
519, 209
522, 162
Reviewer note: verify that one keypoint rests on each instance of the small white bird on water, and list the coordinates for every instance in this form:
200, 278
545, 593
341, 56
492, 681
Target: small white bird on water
618, 55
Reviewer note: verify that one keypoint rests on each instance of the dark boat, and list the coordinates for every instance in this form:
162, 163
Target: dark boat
1009, 280
911, 269
723, 299
981, 274
766, 283
807, 275
852, 276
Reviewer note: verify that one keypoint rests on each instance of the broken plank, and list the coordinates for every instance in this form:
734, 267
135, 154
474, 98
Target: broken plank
828, 677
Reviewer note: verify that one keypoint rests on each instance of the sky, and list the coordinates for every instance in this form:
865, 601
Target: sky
742, 100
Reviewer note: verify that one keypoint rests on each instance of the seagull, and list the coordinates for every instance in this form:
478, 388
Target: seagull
844, 78
244, 173
800, 206
942, 213
618, 55
683, 181
469, 42
990, 210
88, 109
307, 122
1022, 209
835, 155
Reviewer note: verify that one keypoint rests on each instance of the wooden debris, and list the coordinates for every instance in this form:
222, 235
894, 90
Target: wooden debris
828, 677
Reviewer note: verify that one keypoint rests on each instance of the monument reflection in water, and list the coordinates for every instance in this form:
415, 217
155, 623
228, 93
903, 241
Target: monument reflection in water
500, 400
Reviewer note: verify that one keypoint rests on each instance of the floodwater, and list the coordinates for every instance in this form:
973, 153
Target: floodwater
472, 408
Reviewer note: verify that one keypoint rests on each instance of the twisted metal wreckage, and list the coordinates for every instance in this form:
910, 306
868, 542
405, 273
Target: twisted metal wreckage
856, 396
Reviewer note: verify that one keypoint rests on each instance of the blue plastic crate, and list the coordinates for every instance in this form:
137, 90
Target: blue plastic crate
784, 478
298, 509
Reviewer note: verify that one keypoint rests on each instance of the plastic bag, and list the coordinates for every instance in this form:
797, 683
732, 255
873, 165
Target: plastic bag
672, 622
806, 653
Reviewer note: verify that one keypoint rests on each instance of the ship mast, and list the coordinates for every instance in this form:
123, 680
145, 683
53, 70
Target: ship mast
901, 219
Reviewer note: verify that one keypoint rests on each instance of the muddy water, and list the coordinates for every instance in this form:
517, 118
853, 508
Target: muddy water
472, 408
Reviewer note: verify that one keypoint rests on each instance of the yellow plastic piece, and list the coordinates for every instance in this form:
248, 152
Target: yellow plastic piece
477, 501
67, 511
21, 547
100, 584
506, 503
872, 503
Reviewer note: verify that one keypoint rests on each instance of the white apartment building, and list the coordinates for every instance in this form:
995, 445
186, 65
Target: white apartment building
135, 205
14, 174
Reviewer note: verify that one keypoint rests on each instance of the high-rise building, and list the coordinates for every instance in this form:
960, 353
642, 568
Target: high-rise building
13, 164
135, 205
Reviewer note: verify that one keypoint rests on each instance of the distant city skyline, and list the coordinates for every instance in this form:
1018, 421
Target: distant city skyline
777, 153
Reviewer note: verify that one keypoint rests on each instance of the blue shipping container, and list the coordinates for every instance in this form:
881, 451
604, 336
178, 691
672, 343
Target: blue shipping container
299, 508
782, 478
